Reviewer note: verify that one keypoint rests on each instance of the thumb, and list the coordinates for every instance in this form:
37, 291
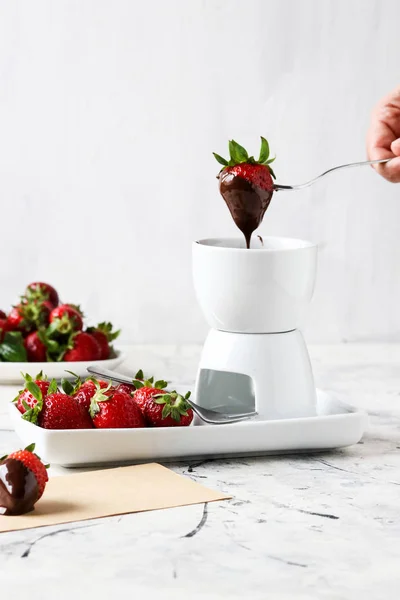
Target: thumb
395, 147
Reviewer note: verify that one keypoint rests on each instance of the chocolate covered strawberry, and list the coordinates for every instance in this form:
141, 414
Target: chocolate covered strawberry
32, 462
115, 409
168, 409
104, 335
23, 479
40, 291
247, 186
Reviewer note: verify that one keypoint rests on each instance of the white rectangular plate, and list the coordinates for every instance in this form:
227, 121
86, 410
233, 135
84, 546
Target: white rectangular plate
336, 425
10, 372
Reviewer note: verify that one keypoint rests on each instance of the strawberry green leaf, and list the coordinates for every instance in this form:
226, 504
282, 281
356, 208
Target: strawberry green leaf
137, 384
12, 349
139, 374
67, 387
187, 396
237, 152
35, 390
166, 411
31, 447
272, 172
264, 151
161, 384
220, 159
52, 387
268, 162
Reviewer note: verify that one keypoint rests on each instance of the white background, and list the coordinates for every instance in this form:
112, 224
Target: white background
109, 112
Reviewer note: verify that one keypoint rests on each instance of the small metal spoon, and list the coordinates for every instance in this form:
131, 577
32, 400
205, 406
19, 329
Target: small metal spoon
208, 416
278, 187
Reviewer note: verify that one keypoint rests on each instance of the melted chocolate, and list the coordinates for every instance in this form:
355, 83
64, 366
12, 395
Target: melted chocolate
246, 202
18, 488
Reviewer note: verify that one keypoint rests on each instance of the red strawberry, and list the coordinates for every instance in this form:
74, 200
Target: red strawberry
3, 314
65, 319
126, 388
144, 394
104, 334
28, 315
4, 327
85, 348
34, 464
63, 412
42, 291
246, 186
35, 348
56, 410
113, 409
85, 392
25, 399
168, 410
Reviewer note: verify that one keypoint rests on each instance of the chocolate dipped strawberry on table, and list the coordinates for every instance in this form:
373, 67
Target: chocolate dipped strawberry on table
23, 479
246, 185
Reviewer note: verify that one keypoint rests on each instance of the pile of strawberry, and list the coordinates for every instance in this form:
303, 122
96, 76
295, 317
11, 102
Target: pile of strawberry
97, 403
40, 329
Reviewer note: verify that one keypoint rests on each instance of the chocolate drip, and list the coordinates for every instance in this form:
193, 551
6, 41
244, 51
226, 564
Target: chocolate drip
18, 488
247, 202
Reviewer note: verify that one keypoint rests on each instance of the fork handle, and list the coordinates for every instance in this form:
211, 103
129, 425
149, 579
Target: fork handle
100, 372
300, 186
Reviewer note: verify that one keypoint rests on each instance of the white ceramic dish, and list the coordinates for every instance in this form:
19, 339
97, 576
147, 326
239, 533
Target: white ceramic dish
10, 373
266, 289
336, 425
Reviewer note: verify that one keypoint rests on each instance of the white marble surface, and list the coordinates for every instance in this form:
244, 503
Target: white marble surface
324, 527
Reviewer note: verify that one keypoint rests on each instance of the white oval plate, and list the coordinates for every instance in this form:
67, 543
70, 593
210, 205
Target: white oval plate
10, 372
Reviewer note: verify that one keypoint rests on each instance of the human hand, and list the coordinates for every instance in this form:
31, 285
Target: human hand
383, 138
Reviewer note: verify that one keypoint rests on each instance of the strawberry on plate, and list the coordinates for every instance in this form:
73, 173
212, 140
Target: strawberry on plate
4, 327
104, 334
65, 318
25, 399
83, 391
56, 410
42, 291
113, 409
35, 348
32, 462
168, 409
84, 348
140, 381
28, 316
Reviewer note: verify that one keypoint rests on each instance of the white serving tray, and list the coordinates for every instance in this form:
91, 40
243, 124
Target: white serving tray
336, 425
10, 372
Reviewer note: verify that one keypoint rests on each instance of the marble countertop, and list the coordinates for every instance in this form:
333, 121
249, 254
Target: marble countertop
323, 526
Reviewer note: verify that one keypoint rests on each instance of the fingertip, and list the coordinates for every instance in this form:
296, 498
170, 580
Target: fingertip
395, 147
391, 170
